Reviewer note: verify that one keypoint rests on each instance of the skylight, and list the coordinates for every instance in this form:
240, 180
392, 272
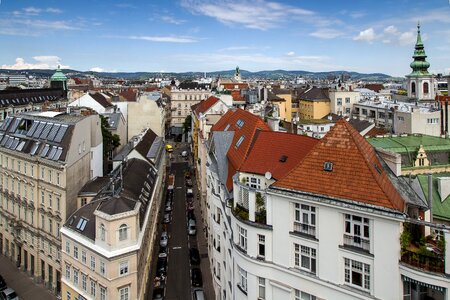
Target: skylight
240, 123
239, 142
81, 224
226, 128
328, 166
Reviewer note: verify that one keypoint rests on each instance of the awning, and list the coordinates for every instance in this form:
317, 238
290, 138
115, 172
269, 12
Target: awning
431, 286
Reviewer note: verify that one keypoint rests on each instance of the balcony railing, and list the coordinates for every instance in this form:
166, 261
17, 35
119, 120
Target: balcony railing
357, 241
426, 262
305, 228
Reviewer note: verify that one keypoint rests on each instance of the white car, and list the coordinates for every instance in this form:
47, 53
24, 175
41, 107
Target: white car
8, 294
184, 153
164, 239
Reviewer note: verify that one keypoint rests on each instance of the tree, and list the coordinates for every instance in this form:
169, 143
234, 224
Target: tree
187, 124
110, 141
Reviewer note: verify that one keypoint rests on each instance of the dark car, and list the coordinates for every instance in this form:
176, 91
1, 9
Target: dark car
163, 249
166, 218
161, 264
194, 256
190, 215
189, 182
196, 277
2, 283
158, 294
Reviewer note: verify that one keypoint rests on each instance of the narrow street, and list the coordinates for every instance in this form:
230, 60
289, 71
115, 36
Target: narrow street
178, 279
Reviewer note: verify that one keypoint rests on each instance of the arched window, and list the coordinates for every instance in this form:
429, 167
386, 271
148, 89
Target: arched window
123, 232
413, 87
426, 88
102, 232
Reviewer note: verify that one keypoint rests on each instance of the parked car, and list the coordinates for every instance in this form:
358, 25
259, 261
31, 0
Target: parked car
196, 277
158, 294
166, 218
168, 207
194, 256
190, 215
189, 193
161, 264
189, 182
164, 239
192, 230
163, 249
184, 153
2, 283
8, 294
197, 294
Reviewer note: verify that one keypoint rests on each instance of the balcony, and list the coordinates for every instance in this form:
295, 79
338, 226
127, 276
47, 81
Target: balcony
427, 261
357, 242
305, 229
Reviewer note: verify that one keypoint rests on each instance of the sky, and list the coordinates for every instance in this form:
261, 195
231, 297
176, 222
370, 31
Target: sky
210, 35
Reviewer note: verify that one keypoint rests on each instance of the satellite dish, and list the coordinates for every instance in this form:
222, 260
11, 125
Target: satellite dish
268, 175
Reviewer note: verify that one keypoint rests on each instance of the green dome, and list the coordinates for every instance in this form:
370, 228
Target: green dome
59, 75
419, 65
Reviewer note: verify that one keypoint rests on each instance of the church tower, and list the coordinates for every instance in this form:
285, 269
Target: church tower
237, 75
420, 82
59, 81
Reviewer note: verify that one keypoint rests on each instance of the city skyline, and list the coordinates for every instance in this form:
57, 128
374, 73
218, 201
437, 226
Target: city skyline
209, 35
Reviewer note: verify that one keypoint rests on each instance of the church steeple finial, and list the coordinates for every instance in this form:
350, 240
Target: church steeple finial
419, 65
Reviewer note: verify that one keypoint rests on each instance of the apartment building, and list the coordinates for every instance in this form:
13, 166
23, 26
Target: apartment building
316, 229
46, 157
314, 103
183, 98
342, 101
107, 244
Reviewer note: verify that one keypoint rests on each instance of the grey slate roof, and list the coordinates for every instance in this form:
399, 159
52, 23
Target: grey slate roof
221, 141
113, 119
27, 96
315, 94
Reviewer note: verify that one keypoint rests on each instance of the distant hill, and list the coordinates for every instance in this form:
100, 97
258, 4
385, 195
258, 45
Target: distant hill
269, 74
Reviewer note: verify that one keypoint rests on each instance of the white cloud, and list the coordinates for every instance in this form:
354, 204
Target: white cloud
291, 53
42, 62
391, 29
326, 33
96, 69
407, 38
164, 39
367, 35
34, 11
257, 14
234, 48
172, 20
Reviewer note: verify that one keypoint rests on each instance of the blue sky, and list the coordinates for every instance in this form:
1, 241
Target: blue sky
210, 35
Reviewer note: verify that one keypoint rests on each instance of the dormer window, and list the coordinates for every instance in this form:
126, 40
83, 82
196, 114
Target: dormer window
123, 232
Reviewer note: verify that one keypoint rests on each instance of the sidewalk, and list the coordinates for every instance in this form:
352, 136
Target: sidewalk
203, 249
23, 285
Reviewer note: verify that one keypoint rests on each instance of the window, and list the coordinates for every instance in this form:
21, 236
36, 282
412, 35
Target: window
68, 296
242, 279
50, 173
102, 232
339, 101
42, 173
84, 281
58, 178
68, 272
75, 252
93, 288
347, 99
242, 238
50, 200
413, 87
401, 118
42, 198
305, 219
83, 201
261, 288
240, 123
426, 88
123, 232
50, 225
123, 268
239, 142
357, 273
32, 171
254, 182
58, 203
124, 293
261, 246
347, 110
305, 258
67, 247
102, 293
83, 256
102, 267
357, 232
75, 277
93, 263
299, 295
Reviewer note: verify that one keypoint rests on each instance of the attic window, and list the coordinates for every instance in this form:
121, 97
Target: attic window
81, 224
239, 142
240, 123
283, 158
377, 168
226, 128
328, 166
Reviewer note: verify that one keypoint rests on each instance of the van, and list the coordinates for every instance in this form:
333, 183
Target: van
197, 294
192, 230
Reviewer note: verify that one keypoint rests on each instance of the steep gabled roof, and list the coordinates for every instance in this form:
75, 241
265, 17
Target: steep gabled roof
204, 105
245, 125
356, 172
285, 151
101, 99
315, 94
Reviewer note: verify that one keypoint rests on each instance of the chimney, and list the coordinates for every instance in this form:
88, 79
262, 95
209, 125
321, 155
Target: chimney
430, 195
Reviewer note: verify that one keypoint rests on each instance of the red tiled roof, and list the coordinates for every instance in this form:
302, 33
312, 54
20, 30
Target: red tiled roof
233, 86
376, 87
204, 105
357, 173
236, 155
129, 95
262, 159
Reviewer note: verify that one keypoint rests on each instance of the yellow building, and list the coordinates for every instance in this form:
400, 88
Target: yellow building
314, 104
286, 105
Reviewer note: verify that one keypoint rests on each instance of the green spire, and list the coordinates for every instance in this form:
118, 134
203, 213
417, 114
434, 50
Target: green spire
59, 75
419, 65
